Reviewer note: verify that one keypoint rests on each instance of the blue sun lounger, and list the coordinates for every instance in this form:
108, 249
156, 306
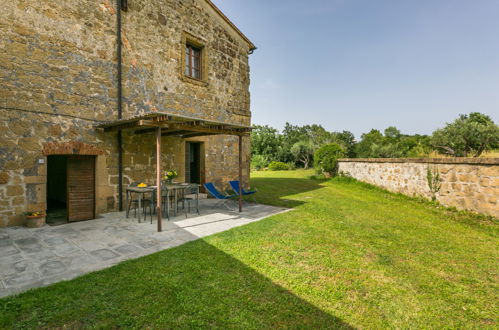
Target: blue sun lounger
235, 187
222, 198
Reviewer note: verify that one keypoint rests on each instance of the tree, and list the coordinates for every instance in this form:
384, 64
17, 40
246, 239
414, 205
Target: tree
303, 153
317, 135
363, 149
415, 146
393, 133
386, 149
259, 161
293, 133
393, 144
346, 140
265, 141
467, 135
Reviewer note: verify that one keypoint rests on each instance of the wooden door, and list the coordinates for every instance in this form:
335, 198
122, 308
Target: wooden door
192, 162
81, 188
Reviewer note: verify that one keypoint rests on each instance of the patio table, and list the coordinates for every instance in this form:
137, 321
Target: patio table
141, 191
175, 188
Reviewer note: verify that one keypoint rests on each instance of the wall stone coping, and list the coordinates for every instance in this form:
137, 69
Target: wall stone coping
457, 160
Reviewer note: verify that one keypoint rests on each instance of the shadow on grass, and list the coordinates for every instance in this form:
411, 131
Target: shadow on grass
193, 285
278, 191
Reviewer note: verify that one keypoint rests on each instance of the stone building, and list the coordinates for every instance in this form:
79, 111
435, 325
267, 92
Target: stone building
62, 69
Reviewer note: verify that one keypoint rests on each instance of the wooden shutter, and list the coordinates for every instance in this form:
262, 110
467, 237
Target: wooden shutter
81, 187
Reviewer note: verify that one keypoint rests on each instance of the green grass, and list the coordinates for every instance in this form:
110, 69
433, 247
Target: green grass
348, 255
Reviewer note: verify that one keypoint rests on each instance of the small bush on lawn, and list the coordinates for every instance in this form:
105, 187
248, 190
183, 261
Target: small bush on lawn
319, 177
259, 162
278, 166
326, 157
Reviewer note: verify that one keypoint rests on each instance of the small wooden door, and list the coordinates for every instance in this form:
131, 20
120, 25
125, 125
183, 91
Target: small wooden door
81, 188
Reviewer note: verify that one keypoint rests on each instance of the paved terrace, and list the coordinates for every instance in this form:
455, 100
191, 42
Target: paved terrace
32, 258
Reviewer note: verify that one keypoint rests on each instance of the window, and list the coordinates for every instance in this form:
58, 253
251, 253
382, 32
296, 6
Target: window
193, 54
193, 61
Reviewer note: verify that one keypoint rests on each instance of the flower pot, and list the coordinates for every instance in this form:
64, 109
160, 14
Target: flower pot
35, 221
327, 175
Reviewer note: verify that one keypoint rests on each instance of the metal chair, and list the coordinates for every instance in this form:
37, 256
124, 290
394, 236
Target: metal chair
167, 198
191, 194
165, 206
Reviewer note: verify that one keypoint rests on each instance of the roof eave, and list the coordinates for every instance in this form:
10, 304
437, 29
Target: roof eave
252, 46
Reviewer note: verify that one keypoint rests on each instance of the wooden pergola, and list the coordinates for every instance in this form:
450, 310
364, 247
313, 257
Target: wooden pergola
165, 124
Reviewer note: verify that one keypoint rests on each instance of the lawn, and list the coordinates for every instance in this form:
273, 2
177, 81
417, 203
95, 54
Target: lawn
348, 255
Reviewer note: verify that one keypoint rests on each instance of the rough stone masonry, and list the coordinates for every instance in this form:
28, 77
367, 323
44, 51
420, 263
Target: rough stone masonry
466, 183
58, 69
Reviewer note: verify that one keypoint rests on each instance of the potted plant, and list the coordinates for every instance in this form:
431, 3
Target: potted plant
35, 219
170, 175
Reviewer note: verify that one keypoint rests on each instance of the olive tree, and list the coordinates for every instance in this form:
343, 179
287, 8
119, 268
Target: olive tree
468, 135
303, 152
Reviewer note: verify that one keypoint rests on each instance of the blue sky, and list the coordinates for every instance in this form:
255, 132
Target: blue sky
361, 64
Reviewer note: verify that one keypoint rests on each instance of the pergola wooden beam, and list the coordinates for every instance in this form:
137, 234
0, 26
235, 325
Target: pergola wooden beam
174, 133
181, 130
151, 123
184, 128
145, 131
191, 135
120, 127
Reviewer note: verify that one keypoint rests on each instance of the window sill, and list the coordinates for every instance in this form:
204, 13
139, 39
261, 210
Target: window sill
194, 81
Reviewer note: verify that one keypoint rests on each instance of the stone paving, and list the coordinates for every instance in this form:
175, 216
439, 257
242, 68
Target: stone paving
38, 257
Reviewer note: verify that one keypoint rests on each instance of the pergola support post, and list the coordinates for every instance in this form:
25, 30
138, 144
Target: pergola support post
158, 177
240, 173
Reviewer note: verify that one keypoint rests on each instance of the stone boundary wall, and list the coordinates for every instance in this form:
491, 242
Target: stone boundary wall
466, 183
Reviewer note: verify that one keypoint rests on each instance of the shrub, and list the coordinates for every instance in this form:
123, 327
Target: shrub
259, 161
434, 182
345, 177
325, 158
317, 177
278, 166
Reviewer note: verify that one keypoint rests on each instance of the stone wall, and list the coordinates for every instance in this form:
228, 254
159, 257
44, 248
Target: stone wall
60, 57
58, 74
466, 183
